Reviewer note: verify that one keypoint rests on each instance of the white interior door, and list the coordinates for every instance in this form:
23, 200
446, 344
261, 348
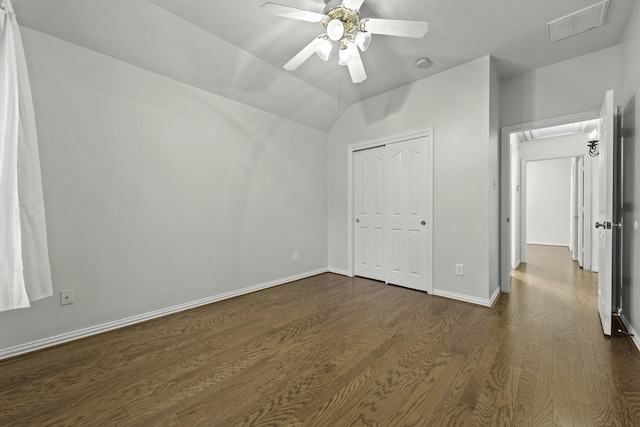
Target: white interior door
605, 213
408, 219
369, 211
392, 206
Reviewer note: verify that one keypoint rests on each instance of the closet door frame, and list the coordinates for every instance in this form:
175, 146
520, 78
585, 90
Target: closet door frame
351, 149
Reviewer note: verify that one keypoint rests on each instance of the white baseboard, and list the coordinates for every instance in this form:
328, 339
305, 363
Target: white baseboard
467, 298
338, 271
495, 296
98, 329
563, 245
635, 337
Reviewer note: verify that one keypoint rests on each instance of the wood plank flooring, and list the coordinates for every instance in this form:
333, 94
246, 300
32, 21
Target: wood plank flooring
338, 351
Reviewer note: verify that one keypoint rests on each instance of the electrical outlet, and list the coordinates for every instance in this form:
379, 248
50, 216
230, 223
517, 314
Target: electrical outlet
66, 297
459, 269
295, 256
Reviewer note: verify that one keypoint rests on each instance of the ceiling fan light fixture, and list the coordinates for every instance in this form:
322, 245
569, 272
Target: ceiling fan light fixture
344, 57
323, 50
362, 40
341, 20
335, 29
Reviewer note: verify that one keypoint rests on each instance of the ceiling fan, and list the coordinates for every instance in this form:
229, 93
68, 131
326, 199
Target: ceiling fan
344, 27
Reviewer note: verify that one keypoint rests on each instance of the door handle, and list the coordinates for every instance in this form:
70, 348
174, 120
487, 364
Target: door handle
606, 225
357, 220
423, 222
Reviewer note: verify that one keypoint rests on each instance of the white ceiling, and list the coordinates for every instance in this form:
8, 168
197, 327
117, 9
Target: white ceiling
232, 49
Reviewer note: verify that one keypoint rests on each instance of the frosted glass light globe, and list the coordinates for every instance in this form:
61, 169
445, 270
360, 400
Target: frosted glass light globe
323, 50
344, 57
363, 40
335, 29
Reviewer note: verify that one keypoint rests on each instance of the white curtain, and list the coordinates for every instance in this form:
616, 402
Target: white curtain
25, 274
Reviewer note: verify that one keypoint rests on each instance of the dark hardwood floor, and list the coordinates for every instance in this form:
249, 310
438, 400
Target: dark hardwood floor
338, 351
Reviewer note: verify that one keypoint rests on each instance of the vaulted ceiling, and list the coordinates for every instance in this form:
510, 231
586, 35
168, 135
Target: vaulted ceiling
232, 49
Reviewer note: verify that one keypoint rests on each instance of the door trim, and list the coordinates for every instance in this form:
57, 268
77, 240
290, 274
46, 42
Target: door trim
351, 149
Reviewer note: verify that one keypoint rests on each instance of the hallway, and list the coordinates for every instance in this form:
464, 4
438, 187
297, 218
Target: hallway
586, 377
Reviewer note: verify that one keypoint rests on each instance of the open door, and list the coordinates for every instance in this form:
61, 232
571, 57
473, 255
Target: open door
605, 212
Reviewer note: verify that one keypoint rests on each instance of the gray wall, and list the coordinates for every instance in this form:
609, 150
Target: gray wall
494, 173
629, 101
457, 104
573, 86
159, 194
549, 202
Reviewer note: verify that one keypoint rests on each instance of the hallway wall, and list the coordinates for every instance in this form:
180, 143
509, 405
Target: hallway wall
549, 202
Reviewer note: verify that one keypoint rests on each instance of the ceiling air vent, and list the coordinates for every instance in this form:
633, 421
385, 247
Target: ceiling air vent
578, 22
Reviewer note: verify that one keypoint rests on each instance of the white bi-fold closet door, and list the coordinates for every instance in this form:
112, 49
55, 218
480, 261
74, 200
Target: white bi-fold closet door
392, 206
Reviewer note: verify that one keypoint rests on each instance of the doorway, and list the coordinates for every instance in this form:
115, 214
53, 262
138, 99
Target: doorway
391, 210
515, 153
603, 144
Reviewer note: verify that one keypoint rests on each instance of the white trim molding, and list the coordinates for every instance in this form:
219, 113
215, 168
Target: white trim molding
495, 296
338, 271
560, 245
465, 298
634, 337
41, 344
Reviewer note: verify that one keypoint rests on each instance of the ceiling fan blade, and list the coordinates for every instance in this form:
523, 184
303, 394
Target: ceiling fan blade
352, 4
292, 12
394, 27
303, 55
356, 67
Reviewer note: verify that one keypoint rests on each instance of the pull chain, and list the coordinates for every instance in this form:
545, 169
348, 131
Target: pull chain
339, 88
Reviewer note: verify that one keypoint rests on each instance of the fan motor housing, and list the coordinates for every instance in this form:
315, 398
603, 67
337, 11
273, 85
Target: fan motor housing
331, 5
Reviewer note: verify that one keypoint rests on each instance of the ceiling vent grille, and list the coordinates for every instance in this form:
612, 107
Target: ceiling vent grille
578, 22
